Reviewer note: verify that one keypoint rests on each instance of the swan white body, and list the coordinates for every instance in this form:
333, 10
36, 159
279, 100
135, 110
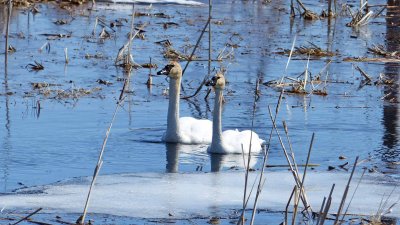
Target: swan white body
230, 141
185, 130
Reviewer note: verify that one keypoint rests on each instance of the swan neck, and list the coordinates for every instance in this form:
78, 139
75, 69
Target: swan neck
217, 123
173, 108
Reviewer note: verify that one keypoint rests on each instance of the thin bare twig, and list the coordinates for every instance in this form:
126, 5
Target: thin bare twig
351, 199
346, 190
303, 179
7, 31
27, 217
288, 203
100, 159
327, 207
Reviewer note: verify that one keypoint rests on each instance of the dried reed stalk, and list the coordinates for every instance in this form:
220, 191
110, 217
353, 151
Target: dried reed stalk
351, 199
346, 190
266, 149
27, 217
132, 29
7, 32
290, 54
249, 152
294, 173
208, 24
288, 203
100, 158
320, 210
196, 46
66, 55
302, 181
327, 207
260, 185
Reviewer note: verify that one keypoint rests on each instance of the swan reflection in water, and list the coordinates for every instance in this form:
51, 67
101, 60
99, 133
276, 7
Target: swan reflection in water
231, 161
196, 155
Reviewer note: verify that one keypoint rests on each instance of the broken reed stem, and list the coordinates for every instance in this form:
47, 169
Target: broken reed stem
302, 5
66, 55
295, 175
288, 203
285, 128
292, 13
100, 159
248, 197
209, 35
190, 60
249, 152
346, 190
259, 187
380, 11
95, 26
195, 47
27, 217
290, 54
320, 210
327, 207
303, 179
7, 32
132, 29
265, 151
295, 171
383, 206
208, 24
306, 73
121, 51
351, 199
149, 80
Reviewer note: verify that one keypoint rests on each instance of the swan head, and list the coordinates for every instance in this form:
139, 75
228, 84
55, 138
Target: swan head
218, 81
173, 70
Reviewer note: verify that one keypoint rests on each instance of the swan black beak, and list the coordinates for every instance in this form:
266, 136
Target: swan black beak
162, 72
165, 70
212, 82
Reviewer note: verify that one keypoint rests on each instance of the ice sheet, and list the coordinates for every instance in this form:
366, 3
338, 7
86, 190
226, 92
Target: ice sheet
152, 195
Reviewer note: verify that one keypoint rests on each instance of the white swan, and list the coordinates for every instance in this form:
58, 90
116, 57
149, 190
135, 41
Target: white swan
185, 130
229, 141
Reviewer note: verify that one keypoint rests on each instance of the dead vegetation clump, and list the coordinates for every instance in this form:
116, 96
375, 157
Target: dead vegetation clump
306, 14
303, 84
359, 18
39, 85
380, 50
368, 80
158, 15
312, 50
392, 87
11, 49
98, 55
171, 53
64, 4
36, 66
310, 15
297, 85
73, 93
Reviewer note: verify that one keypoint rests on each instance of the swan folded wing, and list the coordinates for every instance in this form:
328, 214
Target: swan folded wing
234, 139
195, 131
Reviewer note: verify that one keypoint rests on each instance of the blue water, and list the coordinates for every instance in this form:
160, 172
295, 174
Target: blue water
65, 139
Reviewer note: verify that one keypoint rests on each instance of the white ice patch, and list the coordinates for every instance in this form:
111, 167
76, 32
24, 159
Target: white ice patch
157, 195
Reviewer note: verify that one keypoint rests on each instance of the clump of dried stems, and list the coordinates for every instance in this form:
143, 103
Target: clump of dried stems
304, 83
360, 17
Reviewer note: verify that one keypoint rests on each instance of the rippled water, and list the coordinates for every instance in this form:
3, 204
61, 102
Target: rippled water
64, 140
